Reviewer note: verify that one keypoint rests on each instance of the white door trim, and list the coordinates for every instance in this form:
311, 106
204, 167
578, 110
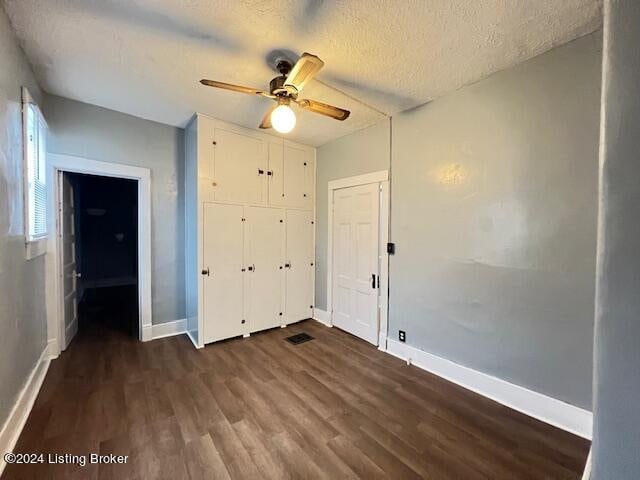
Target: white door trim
381, 177
373, 177
66, 163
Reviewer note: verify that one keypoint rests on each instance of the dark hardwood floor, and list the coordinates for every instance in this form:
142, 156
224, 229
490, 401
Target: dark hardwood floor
334, 407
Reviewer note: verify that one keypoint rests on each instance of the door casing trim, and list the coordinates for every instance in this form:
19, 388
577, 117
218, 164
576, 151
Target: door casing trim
56, 164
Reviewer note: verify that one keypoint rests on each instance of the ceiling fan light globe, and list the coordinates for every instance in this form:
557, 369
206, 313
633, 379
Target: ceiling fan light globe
283, 119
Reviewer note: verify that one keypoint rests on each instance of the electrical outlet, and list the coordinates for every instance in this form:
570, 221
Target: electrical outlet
402, 336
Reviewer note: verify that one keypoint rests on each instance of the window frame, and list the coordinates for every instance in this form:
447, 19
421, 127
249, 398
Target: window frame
35, 243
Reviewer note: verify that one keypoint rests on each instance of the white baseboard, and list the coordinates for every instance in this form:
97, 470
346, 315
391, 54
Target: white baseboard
168, 329
147, 333
195, 344
22, 408
547, 409
322, 316
52, 348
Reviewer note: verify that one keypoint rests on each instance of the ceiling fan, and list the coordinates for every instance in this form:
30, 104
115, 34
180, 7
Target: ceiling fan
284, 89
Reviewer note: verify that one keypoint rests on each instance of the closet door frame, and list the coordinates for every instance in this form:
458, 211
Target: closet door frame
382, 178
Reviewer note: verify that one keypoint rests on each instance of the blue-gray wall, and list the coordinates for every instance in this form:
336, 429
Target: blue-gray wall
493, 212
93, 132
23, 327
616, 437
364, 151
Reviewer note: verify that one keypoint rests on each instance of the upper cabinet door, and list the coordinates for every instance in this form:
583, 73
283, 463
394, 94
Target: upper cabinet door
239, 168
309, 181
297, 163
276, 175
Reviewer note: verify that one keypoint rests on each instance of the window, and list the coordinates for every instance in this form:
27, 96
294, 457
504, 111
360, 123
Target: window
35, 184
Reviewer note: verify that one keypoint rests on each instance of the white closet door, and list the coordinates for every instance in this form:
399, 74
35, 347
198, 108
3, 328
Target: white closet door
355, 260
309, 180
294, 172
222, 254
298, 268
239, 168
264, 230
276, 179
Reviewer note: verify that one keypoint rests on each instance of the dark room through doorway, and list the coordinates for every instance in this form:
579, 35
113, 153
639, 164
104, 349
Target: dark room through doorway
106, 253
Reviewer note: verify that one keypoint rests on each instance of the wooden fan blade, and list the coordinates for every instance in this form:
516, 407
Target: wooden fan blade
235, 88
266, 120
303, 71
324, 109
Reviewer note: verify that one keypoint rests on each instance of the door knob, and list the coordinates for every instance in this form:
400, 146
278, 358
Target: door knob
79, 274
205, 271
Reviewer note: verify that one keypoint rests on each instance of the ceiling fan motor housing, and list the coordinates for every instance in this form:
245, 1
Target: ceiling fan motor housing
277, 87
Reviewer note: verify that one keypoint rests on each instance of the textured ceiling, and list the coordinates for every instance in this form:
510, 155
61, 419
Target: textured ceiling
145, 57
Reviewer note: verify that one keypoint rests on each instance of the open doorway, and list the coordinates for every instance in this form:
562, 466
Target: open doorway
104, 212
61, 268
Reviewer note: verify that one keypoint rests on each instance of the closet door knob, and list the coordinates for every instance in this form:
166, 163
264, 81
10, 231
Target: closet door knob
205, 271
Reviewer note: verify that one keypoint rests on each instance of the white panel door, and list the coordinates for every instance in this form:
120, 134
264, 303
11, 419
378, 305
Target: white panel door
264, 231
298, 265
355, 260
222, 253
69, 274
239, 168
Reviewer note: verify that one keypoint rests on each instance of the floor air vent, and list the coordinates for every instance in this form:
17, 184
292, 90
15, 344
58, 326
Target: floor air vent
299, 338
